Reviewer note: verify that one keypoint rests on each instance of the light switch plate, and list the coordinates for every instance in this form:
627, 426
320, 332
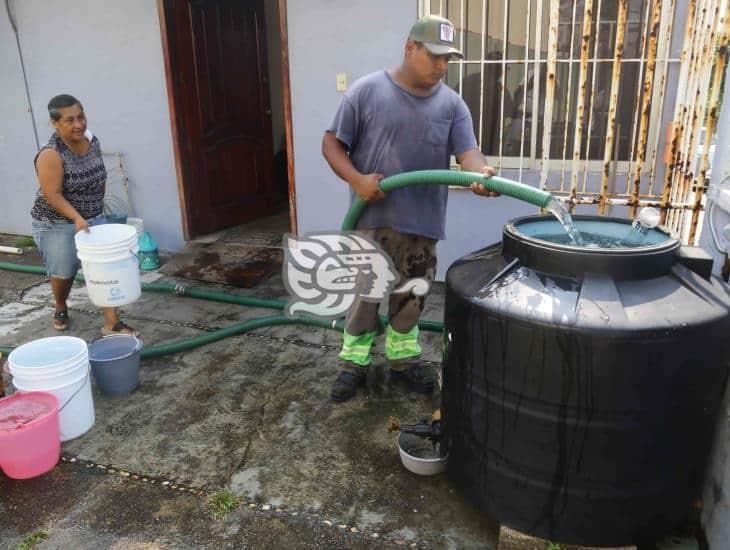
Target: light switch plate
341, 82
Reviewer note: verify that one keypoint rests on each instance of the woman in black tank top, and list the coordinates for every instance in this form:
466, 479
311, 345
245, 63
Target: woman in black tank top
72, 181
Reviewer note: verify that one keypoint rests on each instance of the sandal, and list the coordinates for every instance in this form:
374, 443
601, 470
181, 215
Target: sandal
119, 328
60, 320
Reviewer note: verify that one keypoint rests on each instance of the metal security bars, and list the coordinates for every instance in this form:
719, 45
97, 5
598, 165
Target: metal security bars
580, 95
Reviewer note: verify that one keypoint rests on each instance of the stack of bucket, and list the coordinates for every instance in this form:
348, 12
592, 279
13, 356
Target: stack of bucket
58, 365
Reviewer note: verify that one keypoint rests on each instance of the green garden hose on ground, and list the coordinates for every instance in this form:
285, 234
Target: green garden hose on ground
215, 296
203, 294
234, 330
425, 177
226, 332
455, 178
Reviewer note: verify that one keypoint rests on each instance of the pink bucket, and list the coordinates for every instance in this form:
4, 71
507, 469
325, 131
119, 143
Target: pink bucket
30, 442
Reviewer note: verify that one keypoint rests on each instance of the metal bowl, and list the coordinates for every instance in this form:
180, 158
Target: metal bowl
418, 456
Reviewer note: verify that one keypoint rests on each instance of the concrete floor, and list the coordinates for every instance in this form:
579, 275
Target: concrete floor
251, 415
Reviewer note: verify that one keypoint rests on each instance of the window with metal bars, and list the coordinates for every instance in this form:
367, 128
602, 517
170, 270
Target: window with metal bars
502, 78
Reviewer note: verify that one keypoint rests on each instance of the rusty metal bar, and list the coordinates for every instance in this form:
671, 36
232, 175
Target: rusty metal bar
673, 145
593, 93
646, 100
694, 107
481, 83
615, 77
550, 89
567, 95
505, 9
687, 112
582, 78
524, 89
705, 65
462, 19
620, 200
639, 80
712, 116
536, 80
662, 54
599, 60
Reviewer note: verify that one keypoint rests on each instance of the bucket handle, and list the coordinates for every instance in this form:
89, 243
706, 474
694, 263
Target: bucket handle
86, 381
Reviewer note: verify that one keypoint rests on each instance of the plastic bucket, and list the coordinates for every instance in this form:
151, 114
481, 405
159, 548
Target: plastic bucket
58, 365
115, 363
29, 434
76, 410
108, 255
49, 362
138, 224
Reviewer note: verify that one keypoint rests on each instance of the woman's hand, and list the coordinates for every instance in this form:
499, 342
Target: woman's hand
480, 189
81, 224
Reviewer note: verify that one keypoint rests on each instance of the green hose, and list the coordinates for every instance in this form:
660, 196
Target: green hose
233, 330
215, 296
166, 288
204, 294
424, 177
226, 332
510, 188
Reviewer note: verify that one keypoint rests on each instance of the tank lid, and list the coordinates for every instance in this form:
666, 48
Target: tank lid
541, 243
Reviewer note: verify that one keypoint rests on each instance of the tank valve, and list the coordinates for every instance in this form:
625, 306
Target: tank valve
429, 429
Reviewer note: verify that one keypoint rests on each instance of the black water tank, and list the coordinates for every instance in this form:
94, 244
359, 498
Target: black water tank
581, 386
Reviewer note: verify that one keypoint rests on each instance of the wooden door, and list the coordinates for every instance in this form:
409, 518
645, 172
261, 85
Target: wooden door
219, 74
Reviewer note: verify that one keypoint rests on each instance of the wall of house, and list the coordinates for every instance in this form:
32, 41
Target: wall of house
324, 41
109, 55
17, 141
716, 513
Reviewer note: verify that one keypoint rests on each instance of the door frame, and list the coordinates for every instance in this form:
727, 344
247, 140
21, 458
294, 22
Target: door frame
178, 154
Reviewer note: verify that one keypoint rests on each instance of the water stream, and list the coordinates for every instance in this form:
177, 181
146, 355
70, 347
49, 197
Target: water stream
557, 209
647, 219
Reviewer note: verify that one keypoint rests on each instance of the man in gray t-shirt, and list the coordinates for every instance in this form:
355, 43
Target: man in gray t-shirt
389, 122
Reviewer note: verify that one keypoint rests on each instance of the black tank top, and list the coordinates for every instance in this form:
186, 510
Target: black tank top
84, 179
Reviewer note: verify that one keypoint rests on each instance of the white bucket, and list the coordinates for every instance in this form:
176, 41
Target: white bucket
58, 365
48, 355
76, 411
138, 224
108, 255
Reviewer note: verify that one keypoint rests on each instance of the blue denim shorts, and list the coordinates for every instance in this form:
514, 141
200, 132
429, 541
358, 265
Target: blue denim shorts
56, 243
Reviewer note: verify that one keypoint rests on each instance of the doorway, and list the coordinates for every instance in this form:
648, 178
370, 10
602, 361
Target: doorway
227, 104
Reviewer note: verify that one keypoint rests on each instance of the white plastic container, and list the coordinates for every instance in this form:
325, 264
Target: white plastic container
108, 255
138, 224
58, 365
410, 446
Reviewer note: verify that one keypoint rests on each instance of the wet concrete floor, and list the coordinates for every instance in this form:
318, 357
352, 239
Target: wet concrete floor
250, 415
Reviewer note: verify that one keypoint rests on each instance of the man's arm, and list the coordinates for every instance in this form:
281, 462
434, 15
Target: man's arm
474, 161
365, 185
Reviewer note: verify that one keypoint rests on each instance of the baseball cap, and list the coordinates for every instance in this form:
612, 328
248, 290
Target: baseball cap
437, 35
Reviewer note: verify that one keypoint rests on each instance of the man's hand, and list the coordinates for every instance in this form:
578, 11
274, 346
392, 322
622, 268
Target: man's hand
367, 187
480, 189
81, 224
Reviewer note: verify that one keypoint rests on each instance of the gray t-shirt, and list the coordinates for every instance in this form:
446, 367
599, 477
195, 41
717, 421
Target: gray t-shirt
388, 130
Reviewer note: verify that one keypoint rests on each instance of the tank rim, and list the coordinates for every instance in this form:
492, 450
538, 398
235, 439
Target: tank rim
511, 228
621, 263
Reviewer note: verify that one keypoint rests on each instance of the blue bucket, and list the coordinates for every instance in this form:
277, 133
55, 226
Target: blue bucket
115, 363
